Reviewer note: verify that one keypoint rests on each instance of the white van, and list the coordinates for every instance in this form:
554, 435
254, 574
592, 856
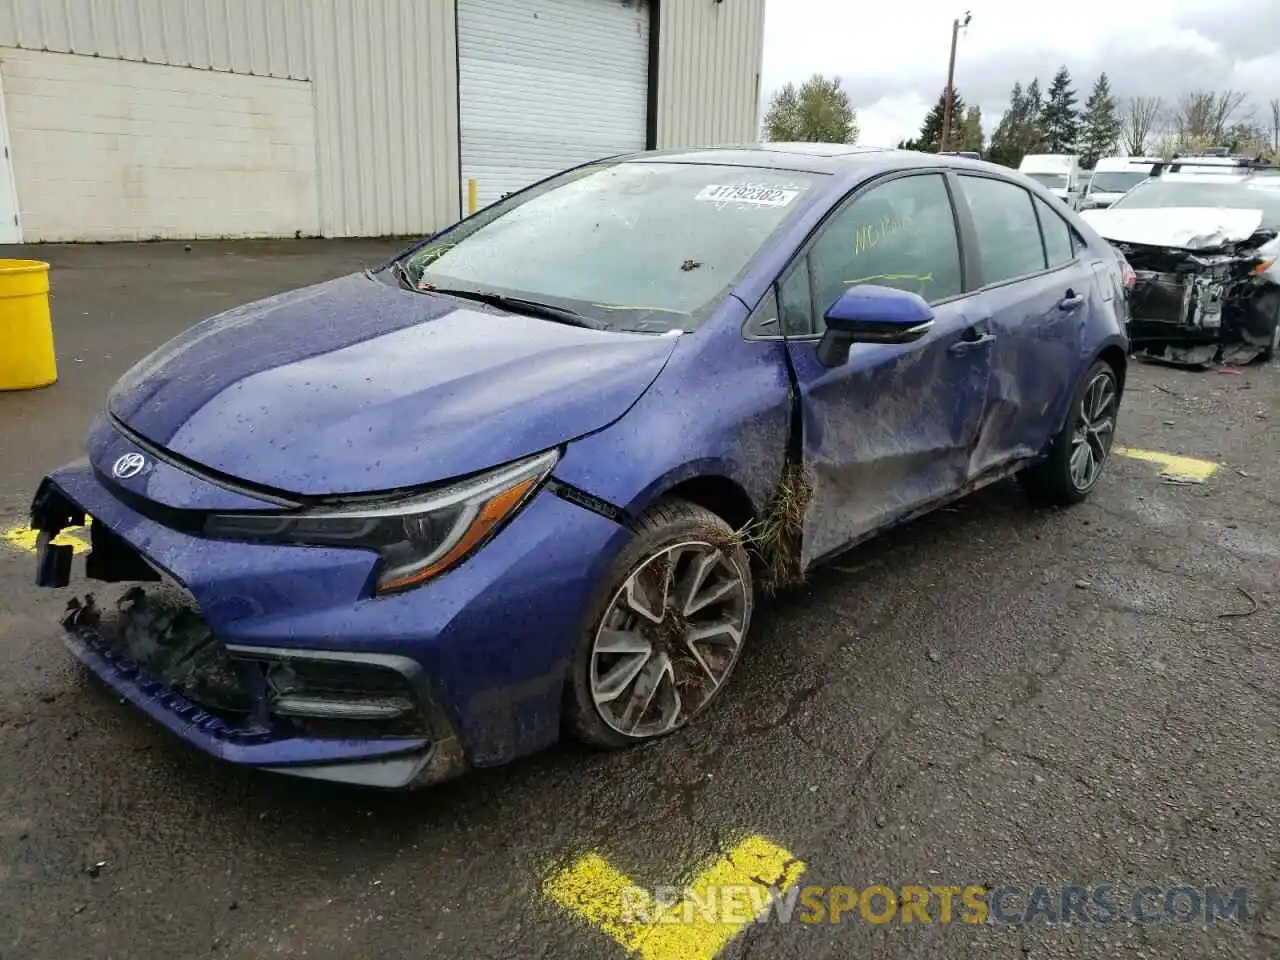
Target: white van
1060, 172
1112, 178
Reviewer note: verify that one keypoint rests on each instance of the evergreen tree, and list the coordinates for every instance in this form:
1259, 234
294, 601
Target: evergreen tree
1006, 145
1100, 131
930, 138
1031, 130
971, 136
1060, 118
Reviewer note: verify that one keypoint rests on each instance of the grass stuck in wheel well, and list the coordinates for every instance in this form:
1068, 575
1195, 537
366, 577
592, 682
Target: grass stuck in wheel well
775, 537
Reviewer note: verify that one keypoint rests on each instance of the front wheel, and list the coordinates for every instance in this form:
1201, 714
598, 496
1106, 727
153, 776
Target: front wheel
1081, 449
665, 630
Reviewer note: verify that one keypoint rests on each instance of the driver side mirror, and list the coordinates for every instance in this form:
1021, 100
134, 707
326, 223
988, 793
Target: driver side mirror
869, 313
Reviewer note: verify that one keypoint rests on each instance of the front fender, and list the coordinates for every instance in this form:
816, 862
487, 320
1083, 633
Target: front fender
721, 407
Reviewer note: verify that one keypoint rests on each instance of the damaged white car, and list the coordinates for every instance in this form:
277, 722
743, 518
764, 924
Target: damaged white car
1203, 249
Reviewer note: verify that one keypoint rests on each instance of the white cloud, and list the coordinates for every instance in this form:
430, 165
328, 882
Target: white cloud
891, 119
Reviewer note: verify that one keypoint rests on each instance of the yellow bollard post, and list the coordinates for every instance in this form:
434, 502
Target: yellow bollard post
471, 196
26, 328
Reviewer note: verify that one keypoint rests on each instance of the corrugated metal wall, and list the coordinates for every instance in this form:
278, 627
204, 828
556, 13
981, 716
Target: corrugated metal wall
383, 72
261, 37
386, 82
709, 59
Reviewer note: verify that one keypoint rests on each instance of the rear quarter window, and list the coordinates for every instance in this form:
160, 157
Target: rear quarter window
1060, 242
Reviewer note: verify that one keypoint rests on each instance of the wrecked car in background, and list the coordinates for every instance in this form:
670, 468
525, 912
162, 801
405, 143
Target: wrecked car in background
531, 475
1203, 248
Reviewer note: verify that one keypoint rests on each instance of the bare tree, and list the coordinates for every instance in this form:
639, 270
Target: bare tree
1275, 125
1138, 120
1203, 117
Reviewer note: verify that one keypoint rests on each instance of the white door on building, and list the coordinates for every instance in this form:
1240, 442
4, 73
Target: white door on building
10, 221
548, 84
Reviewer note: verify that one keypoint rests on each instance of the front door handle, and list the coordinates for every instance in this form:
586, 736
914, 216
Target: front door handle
961, 347
1070, 301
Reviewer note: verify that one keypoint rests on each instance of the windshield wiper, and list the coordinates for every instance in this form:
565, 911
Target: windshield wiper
533, 308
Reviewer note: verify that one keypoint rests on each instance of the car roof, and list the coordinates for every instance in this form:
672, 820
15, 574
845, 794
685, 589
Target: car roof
1254, 179
1124, 164
1203, 177
823, 158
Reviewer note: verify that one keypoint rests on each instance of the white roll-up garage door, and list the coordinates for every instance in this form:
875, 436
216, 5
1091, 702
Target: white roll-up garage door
548, 84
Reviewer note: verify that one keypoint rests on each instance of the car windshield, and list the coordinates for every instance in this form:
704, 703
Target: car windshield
1116, 181
1051, 180
1237, 196
645, 246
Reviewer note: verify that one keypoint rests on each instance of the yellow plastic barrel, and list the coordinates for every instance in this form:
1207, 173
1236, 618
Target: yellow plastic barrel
26, 328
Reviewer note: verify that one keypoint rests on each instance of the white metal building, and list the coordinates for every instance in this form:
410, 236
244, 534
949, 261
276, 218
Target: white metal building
140, 119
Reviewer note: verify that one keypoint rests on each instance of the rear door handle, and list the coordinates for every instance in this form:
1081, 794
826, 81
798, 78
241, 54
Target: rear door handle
1070, 301
961, 347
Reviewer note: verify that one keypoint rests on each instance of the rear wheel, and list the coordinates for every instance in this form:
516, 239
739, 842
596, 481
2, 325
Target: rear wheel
665, 630
1080, 451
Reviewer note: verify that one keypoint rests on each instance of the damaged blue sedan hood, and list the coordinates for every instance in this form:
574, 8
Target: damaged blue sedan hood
356, 385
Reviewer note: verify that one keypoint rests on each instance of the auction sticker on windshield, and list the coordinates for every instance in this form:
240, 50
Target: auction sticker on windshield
747, 193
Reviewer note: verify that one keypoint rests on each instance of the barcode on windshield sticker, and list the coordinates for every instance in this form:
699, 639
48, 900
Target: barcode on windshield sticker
742, 193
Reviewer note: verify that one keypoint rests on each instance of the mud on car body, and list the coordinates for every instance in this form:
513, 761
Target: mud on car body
1203, 248
531, 475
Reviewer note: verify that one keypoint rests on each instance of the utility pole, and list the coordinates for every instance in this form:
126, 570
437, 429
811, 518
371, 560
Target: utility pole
956, 26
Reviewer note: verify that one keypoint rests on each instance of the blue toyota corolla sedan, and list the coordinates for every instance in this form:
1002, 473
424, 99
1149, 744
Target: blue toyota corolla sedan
531, 476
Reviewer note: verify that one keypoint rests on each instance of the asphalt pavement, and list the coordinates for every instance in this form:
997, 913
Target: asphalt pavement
995, 696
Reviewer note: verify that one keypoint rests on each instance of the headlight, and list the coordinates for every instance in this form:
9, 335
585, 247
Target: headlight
418, 537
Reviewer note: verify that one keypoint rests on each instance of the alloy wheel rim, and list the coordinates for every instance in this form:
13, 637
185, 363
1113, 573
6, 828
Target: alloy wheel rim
1094, 430
669, 639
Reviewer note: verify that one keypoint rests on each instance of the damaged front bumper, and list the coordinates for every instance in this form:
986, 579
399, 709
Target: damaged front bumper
252, 736
361, 718
1194, 308
278, 657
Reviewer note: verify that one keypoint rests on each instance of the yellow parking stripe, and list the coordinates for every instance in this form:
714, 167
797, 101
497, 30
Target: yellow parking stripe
1186, 469
24, 538
610, 901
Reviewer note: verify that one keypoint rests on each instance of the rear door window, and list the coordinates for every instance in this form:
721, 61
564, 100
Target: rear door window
1008, 232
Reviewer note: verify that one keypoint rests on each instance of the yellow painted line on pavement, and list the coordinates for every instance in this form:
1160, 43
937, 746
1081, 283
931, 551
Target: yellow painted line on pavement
22, 537
595, 891
1185, 469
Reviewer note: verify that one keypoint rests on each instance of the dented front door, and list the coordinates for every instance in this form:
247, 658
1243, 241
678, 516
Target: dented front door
890, 430
893, 427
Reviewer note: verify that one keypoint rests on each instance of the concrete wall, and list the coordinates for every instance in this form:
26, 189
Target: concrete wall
119, 150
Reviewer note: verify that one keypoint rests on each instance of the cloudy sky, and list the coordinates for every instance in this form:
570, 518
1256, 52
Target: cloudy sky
893, 62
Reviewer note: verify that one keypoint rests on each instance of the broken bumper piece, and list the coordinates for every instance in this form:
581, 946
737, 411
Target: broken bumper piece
339, 722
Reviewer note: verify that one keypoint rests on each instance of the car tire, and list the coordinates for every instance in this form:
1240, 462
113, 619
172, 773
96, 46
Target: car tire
1272, 349
1059, 480
638, 673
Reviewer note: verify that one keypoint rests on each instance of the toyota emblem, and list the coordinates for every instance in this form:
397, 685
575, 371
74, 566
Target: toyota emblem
129, 465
